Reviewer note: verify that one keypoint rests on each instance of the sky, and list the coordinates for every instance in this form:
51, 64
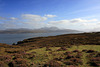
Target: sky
82, 15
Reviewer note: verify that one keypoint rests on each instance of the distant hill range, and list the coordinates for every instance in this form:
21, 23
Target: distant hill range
41, 30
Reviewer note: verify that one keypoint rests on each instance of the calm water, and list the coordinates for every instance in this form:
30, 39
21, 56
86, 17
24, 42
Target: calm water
13, 38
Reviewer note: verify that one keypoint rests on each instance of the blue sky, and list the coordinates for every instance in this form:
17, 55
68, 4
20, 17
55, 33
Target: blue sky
68, 14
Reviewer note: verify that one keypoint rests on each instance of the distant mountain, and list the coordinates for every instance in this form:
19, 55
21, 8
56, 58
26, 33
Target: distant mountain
41, 30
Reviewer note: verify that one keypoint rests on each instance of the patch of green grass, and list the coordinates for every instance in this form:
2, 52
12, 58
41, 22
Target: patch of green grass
88, 47
43, 56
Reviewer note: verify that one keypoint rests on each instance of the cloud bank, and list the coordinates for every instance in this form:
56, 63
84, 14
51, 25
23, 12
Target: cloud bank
50, 16
36, 21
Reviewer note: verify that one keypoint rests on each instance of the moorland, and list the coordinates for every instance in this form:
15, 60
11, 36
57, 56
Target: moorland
68, 50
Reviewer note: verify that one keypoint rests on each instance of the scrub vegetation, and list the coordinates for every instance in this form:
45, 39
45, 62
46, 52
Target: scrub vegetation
30, 53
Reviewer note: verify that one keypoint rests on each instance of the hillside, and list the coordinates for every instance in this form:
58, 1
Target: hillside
64, 40
69, 50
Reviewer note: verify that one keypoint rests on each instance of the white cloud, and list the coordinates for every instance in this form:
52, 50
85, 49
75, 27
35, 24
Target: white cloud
13, 18
50, 16
33, 21
82, 20
8, 24
34, 18
78, 24
25, 21
77, 20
